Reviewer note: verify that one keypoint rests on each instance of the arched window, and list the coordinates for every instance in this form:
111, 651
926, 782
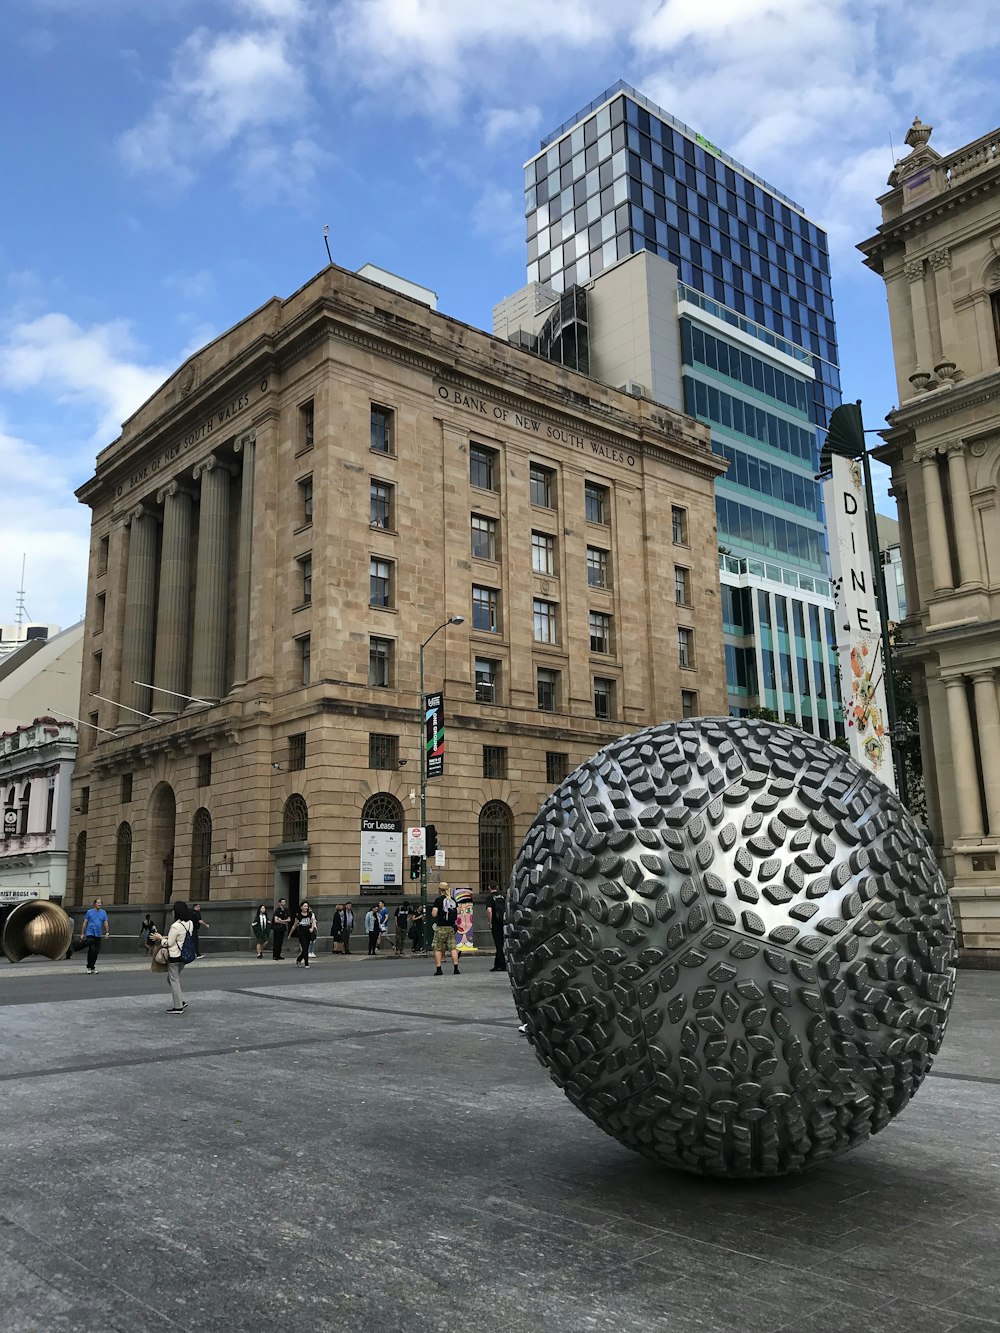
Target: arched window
123, 862
496, 845
201, 856
80, 872
25, 803
383, 806
295, 820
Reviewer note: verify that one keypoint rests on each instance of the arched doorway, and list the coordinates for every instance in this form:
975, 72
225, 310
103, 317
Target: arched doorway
201, 856
80, 869
382, 841
123, 862
162, 826
496, 845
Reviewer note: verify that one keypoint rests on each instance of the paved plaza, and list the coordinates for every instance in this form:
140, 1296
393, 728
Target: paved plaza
366, 1147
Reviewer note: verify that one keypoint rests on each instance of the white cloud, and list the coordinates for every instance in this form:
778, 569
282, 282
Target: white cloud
498, 216
91, 366
506, 123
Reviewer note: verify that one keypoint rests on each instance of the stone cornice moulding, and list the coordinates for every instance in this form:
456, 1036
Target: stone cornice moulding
946, 402
892, 233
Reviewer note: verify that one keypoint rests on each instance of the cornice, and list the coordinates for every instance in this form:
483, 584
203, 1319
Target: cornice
894, 232
946, 402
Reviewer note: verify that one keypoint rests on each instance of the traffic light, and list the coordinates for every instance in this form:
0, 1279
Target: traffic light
414, 867
432, 839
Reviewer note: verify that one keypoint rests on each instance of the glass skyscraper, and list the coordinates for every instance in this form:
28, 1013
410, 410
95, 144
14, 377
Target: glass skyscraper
756, 359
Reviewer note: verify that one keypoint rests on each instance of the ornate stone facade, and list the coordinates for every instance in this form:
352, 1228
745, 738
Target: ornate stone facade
279, 529
938, 250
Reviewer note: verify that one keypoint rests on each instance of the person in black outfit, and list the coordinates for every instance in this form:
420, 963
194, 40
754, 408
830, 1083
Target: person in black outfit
279, 927
496, 910
337, 931
196, 925
305, 932
348, 926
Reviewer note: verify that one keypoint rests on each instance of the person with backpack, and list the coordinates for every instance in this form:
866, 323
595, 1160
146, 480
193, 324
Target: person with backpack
179, 948
444, 915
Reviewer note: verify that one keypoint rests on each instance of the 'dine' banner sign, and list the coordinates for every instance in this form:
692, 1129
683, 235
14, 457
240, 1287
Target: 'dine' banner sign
859, 643
434, 735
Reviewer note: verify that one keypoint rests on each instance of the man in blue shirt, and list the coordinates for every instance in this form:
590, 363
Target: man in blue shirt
95, 929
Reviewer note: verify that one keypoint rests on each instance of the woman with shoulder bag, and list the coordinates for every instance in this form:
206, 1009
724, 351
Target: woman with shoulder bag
305, 932
171, 947
261, 928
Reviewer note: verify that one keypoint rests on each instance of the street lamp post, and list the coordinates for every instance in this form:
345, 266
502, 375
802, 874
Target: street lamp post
452, 620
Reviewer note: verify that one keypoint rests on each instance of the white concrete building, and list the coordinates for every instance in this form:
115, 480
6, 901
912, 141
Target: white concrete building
36, 773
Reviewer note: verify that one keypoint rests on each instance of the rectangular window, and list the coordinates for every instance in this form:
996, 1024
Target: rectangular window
100, 606
95, 672
484, 537
485, 609
682, 586
380, 663
543, 553
685, 646
102, 555
600, 632
542, 485
546, 621
597, 568
596, 503
382, 441
305, 501
297, 752
604, 697
679, 525
383, 751
487, 672
380, 504
995, 304
204, 774
305, 658
50, 802
494, 761
547, 686
483, 467
84, 800
556, 767
305, 564
379, 582
126, 789
689, 703
306, 424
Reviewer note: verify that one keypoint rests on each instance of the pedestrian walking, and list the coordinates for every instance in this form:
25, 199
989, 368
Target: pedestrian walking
402, 915
383, 922
181, 930
148, 925
496, 911
305, 932
337, 929
93, 932
279, 928
261, 927
444, 915
348, 926
373, 930
197, 923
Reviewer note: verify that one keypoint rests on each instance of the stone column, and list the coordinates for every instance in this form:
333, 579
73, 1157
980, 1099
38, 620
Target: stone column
173, 620
988, 720
937, 532
944, 333
140, 613
928, 761
208, 664
914, 270
245, 445
963, 757
963, 517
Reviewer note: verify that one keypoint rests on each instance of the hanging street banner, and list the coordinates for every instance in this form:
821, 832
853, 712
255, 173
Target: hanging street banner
859, 641
381, 851
434, 724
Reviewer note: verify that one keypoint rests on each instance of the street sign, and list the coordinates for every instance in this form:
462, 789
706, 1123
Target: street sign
439, 857
9, 822
416, 841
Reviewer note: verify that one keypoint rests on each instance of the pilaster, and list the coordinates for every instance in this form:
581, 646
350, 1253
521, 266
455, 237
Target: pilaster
970, 818
173, 623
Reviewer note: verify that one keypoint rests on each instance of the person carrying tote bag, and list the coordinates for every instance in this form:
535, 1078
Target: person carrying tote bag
171, 949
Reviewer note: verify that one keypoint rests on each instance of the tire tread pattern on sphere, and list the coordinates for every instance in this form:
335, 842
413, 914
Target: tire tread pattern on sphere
731, 945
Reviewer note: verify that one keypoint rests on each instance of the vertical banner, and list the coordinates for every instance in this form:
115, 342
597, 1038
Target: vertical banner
859, 641
463, 931
434, 734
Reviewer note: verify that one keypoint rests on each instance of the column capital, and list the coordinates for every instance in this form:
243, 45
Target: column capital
927, 453
982, 673
914, 269
208, 464
171, 489
136, 512
953, 447
250, 437
940, 258
951, 682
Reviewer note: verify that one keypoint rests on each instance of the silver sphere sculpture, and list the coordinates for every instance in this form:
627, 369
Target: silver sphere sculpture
731, 946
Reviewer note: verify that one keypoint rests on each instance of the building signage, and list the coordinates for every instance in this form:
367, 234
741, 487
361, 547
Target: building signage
150, 470
17, 895
381, 851
859, 641
434, 740
502, 415
9, 823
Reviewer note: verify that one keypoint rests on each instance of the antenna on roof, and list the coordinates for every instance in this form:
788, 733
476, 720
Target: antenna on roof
21, 611
326, 242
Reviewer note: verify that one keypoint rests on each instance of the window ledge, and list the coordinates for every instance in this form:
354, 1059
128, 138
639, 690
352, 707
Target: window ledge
306, 449
384, 610
303, 527
302, 606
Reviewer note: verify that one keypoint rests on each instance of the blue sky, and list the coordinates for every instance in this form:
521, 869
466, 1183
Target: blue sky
169, 166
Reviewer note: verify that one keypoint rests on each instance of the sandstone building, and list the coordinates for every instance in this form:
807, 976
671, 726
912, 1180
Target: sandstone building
938, 250
279, 529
